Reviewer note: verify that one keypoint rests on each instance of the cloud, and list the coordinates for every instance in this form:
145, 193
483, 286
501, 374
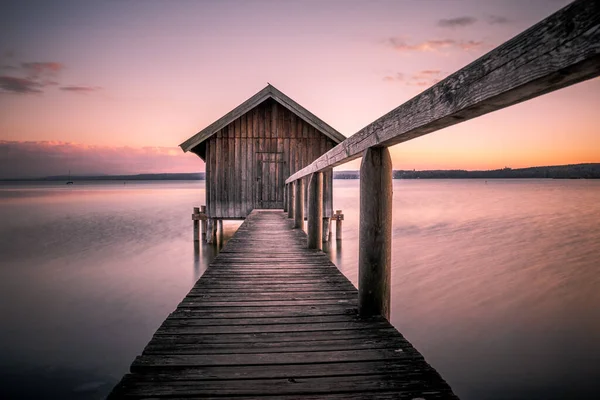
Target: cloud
11, 84
401, 45
36, 69
459, 22
422, 78
35, 77
46, 158
80, 89
497, 20
398, 77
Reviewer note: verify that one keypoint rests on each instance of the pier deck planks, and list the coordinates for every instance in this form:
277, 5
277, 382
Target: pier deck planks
272, 318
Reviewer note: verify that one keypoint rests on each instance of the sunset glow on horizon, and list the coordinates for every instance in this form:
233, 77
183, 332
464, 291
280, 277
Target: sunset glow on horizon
114, 87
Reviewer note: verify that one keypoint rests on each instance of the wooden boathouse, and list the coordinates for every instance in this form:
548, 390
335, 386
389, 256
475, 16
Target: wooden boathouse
274, 318
253, 149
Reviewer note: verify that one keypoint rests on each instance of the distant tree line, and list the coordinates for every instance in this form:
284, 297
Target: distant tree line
575, 171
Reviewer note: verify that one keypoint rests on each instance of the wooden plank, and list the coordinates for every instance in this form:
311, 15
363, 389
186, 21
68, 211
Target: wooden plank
272, 156
267, 313
208, 176
298, 387
559, 51
218, 181
232, 186
252, 161
243, 173
225, 168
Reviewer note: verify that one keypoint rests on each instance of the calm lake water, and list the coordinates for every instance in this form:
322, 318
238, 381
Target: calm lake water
496, 283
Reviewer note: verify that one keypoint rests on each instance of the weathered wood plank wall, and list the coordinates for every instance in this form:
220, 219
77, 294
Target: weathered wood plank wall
248, 161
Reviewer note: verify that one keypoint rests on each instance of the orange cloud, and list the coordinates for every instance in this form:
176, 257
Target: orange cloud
47, 158
422, 78
401, 45
38, 68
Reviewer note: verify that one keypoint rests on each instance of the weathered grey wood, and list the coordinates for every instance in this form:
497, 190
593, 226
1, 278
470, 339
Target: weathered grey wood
315, 212
273, 318
220, 228
559, 51
375, 233
299, 204
203, 211
269, 92
196, 225
339, 217
326, 229
212, 231
290, 200
253, 155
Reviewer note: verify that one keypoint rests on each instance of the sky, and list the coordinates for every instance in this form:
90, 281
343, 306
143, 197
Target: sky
114, 86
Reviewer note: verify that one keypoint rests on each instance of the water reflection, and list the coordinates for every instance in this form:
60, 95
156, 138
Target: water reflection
490, 282
205, 253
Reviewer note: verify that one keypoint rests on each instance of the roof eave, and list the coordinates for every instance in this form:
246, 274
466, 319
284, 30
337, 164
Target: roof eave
268, 92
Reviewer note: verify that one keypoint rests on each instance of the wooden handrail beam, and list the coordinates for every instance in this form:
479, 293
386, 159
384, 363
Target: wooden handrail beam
557, 52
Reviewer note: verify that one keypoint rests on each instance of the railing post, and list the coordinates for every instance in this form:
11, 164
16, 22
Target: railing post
375, 234
284, 198
299, 204
315, 211
290, 200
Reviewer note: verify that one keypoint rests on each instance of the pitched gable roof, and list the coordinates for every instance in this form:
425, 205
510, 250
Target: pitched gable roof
269, 92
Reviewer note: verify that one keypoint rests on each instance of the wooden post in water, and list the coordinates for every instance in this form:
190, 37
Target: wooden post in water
315, 211
203, 211
299, 204
290, 200
339, 217
221, 233
196, 224
211, 236
375, 233
326, 229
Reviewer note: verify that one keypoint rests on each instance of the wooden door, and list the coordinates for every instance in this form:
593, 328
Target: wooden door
269, 179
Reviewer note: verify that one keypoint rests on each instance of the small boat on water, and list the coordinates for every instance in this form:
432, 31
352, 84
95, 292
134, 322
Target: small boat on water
69, 182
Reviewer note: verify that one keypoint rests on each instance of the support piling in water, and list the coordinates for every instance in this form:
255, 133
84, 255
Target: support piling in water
211, 236
199, 217
326, 229
315, 211
375, 233
338, 217
196, 224
221, 233
203, 211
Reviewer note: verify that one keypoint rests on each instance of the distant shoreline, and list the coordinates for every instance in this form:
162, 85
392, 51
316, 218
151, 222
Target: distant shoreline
572, 171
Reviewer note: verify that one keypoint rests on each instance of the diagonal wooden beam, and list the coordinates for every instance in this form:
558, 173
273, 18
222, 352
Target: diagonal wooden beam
559, 51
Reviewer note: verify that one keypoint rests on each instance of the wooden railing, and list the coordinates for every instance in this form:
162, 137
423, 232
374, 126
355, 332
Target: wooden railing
559, 51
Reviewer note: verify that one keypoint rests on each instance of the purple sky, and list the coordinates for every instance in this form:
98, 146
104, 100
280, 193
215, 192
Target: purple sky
115, 86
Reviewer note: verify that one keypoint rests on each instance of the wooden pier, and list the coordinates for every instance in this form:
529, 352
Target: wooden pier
271, 317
